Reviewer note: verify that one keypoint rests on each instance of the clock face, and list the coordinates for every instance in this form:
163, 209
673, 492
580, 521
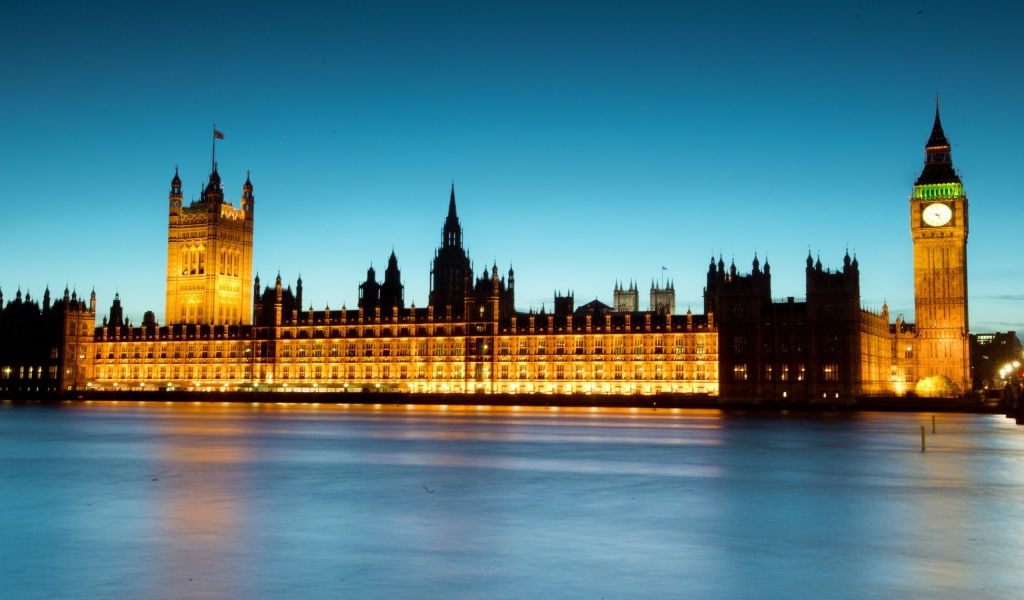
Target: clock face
937, 215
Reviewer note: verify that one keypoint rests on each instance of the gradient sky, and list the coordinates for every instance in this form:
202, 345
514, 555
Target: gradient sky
588, 141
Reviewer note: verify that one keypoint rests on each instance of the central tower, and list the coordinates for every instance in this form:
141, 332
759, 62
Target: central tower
938, 226
451, 268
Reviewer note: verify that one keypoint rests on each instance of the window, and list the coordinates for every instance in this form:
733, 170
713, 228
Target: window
638, 346
799, 372
579, 345
599, 371
599, 346
908, 351
679, 345
560, 346
540, 347
522, 371
659, 346
503, 371
560, 371
700, 345
522, 347
318, 350
831, 372
638, 371
768, 372
618, 346
579, 371
739, 373
784, 373
618, 371
739, 344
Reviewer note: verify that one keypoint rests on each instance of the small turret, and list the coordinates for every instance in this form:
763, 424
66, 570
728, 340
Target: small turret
175, 197
248, 199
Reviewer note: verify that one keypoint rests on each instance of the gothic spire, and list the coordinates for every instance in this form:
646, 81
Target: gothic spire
938, 164
451, 204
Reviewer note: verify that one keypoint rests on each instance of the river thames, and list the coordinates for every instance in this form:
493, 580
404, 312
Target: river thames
131, 500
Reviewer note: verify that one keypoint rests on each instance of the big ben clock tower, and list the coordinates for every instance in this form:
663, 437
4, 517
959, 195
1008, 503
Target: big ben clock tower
938, 225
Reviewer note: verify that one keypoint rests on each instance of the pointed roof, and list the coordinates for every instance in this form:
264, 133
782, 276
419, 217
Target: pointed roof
451, 204
176, 182
938, 137
938, 165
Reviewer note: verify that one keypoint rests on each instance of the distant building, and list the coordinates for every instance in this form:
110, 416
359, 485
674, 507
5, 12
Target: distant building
626, 299
990, 352
663, 300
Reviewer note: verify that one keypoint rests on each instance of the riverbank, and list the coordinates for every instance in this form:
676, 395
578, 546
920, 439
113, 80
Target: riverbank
692, 401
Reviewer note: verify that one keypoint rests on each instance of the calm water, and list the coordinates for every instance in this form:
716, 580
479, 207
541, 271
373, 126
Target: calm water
121, 500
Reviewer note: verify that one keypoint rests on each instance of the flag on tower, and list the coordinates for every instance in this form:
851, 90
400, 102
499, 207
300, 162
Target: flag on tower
218, 134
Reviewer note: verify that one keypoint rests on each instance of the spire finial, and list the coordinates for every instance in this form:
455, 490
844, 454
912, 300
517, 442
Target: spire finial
936, 102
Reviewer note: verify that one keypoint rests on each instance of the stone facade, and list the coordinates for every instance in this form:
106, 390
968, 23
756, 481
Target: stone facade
209, 256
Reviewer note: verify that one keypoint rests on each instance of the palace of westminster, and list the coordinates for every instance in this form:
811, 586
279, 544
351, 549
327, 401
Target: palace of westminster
224, 331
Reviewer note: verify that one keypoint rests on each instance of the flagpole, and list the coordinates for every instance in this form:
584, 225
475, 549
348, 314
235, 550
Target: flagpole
213, 160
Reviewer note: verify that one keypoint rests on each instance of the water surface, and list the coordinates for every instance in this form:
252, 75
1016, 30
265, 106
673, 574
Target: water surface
126, 500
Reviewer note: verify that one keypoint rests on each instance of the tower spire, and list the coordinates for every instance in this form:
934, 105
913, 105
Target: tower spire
451, 204
938, 164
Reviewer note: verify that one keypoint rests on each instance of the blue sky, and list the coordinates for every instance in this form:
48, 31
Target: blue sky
588, 141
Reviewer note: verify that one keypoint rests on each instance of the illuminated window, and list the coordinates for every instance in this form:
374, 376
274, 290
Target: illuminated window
784, 373
618, 371
832, 372
598, 371
700, 345
768, 372
618, 346
799, 372
680, 345
739, 373
560, 371
579, 371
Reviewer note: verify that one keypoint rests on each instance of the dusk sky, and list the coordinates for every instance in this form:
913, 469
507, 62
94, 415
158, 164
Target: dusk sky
588, 142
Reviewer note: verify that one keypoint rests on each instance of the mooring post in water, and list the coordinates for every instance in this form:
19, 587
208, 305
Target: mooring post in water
922, 438
933, 423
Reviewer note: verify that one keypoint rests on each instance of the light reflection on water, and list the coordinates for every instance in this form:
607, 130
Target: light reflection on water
274, 501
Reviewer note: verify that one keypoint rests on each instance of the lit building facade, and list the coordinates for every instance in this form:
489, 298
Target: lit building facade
209, 256
222, 332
